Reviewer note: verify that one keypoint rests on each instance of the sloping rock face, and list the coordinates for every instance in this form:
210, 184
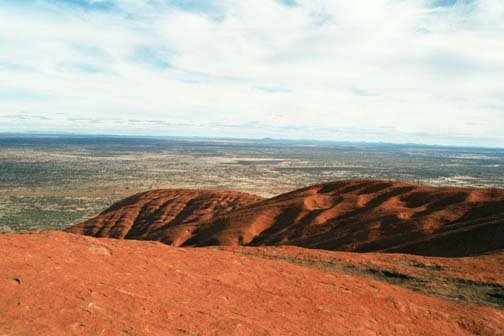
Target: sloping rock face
366, 216
170, 216
357, 215
56, 283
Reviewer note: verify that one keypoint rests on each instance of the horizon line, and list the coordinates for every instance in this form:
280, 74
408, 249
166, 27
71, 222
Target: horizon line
258, 139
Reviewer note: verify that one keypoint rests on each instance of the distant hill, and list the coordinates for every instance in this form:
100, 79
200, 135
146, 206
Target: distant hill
354, 215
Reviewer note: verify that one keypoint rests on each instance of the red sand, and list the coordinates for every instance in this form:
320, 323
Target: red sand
56, 283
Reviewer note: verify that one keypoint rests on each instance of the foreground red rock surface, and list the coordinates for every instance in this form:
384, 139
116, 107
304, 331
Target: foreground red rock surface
356, 215
56, 283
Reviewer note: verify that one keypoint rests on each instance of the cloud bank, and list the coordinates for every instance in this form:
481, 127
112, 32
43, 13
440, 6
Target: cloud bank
427, 71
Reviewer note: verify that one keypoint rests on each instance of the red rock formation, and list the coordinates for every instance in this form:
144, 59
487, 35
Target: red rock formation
169, 216
56, 283
358, 215
368, 216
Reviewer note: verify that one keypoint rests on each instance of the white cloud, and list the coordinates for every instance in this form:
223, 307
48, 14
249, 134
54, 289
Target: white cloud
390, 68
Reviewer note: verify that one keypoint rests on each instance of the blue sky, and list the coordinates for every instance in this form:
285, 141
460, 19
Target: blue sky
425, 71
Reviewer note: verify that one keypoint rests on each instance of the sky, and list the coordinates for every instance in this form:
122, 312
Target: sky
416, 71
